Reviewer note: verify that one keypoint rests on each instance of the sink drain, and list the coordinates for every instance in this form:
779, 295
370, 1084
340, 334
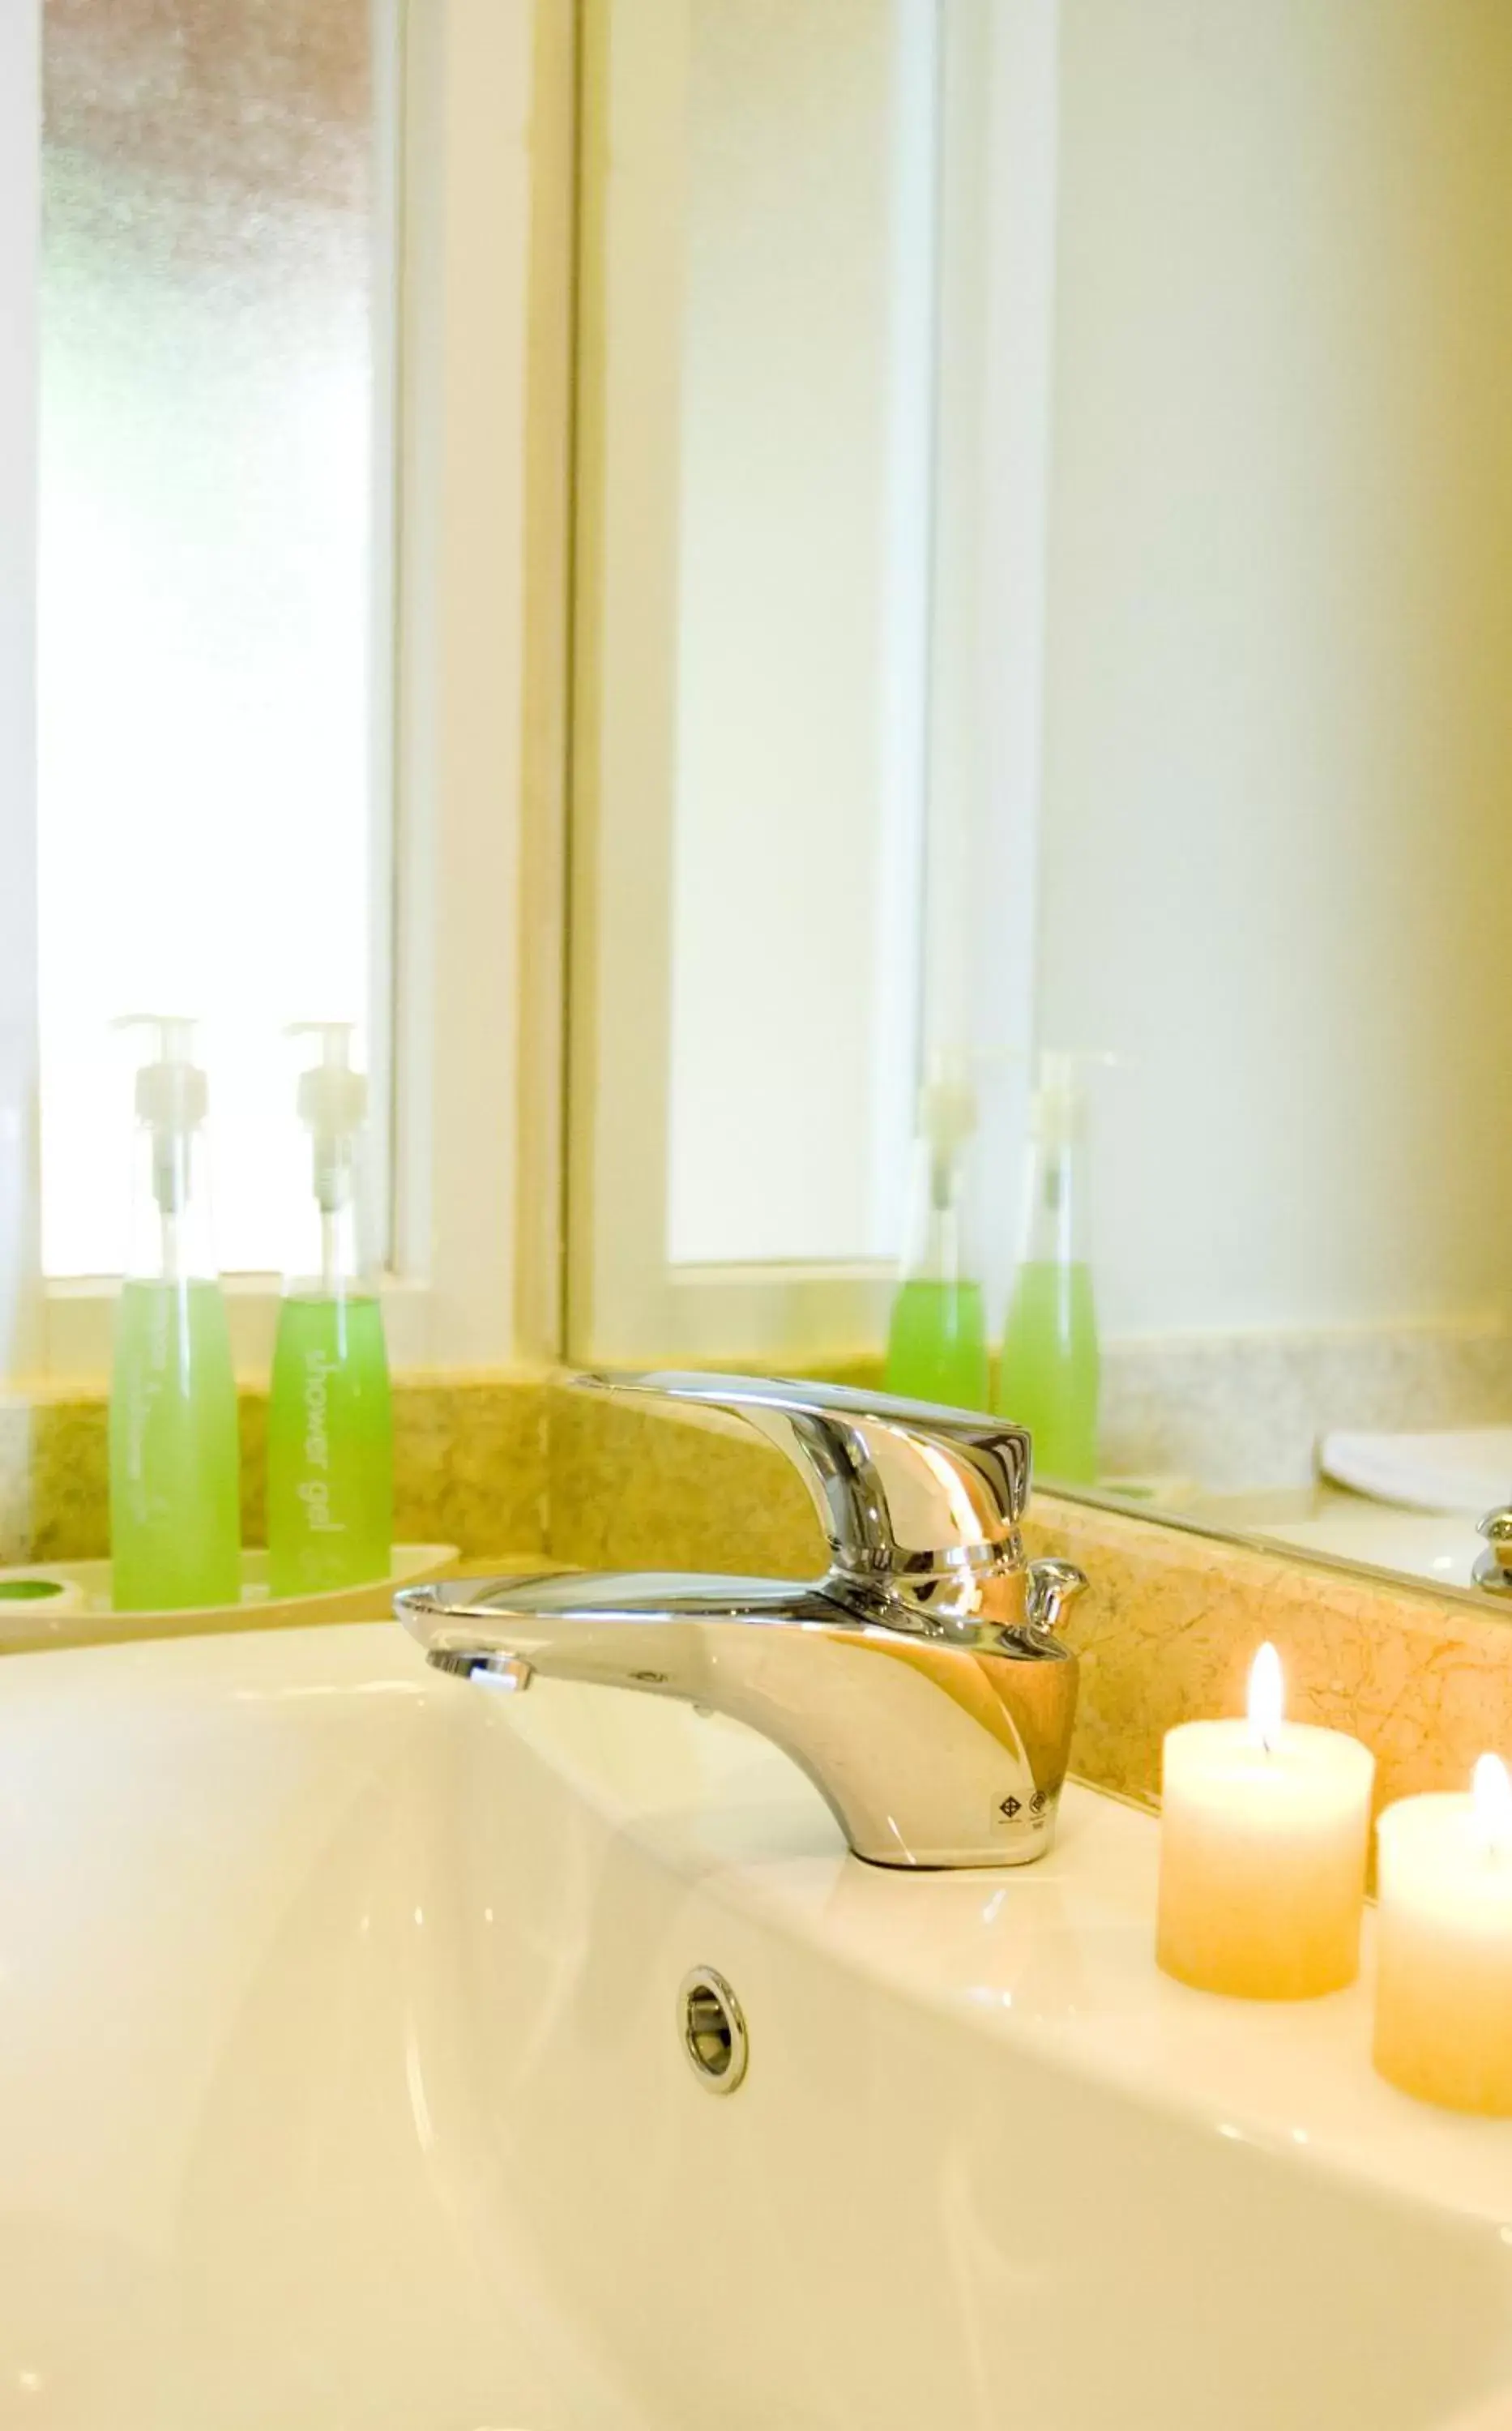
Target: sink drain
713, 2031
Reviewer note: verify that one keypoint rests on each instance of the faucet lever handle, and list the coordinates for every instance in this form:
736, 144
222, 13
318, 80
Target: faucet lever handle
907, 1493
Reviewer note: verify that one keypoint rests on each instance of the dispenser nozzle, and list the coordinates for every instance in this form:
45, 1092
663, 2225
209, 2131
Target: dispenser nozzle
171, 1101
1060, 1090
946, 1117
332, 1105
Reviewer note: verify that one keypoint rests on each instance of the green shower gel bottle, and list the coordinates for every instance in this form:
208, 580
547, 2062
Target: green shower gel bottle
173, 1455
331, 1432
1051, 1375
937, 1338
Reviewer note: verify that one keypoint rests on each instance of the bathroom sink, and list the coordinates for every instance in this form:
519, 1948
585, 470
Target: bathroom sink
346, 2089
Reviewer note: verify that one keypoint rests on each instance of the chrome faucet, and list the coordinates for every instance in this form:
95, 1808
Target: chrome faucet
920, 1684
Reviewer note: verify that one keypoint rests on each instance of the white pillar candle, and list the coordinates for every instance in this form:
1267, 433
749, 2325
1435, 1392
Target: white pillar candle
1265, 1830
1443, 2003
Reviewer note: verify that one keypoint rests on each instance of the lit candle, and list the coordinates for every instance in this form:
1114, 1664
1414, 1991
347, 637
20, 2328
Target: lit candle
1265, 1828
1443, 2003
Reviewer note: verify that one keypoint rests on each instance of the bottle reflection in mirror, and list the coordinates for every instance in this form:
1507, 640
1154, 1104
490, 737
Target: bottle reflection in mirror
937, 1339
1050, 1380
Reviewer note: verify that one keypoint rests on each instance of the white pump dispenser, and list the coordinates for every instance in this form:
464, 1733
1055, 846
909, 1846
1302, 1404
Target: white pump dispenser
947, 1126
171, 1101
1060, 1095
331, 1102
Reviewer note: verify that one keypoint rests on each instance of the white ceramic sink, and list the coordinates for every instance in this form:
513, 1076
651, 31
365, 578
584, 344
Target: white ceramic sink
343, 2090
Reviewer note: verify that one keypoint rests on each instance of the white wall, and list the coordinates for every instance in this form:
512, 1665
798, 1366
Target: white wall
1277, 833
803, 623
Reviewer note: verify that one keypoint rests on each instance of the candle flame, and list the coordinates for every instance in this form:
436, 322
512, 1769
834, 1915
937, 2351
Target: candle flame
1491, 1796
1265, 1695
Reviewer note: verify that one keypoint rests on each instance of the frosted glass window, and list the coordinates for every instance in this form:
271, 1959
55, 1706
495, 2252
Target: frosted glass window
210, 576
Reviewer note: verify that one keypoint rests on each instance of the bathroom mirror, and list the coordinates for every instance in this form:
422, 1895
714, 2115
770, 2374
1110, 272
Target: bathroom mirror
1046, 584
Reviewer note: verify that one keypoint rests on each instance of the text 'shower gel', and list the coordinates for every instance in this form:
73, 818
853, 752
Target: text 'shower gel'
330, 1431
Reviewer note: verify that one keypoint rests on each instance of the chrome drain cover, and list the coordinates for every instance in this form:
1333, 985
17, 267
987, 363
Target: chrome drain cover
713, 2031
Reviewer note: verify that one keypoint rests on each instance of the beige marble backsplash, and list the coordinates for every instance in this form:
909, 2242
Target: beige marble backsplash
469, 1460
514, 1467
629, 1488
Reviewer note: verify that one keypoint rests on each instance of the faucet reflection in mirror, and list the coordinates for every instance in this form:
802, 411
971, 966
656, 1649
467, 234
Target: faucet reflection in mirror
920, 1684
1493, 1569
